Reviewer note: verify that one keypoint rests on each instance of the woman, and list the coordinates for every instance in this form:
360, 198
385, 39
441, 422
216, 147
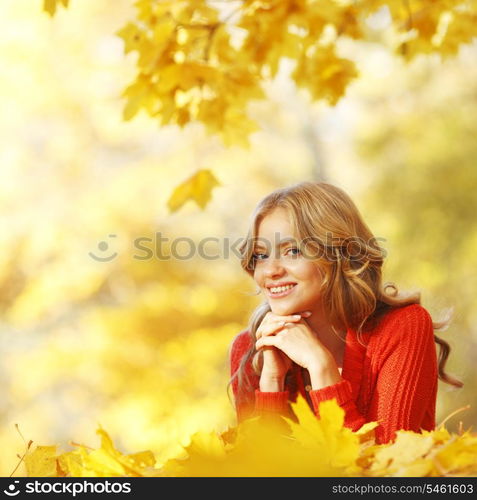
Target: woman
328, 328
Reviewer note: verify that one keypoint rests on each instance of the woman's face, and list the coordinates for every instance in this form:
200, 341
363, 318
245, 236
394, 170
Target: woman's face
279, 263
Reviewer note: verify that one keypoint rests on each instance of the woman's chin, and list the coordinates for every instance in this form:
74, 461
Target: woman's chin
283, 310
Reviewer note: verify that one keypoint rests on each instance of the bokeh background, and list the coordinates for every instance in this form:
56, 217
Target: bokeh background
140, 346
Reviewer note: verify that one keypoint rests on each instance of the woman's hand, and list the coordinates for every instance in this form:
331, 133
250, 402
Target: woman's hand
275, 362
298, 343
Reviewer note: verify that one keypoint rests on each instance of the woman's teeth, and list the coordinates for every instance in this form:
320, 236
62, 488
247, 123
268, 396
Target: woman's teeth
279, 289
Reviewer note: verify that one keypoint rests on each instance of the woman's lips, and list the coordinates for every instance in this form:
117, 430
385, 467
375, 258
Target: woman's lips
280, 294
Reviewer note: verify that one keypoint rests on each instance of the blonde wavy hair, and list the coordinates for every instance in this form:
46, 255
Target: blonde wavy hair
348, 254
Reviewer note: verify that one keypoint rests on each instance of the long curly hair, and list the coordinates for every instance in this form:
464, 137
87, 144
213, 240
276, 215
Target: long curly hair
326, 218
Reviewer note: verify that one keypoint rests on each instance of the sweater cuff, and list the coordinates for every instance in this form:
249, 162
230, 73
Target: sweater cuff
341, 391
271, 402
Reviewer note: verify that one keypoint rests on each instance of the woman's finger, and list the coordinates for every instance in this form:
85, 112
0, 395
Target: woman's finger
271, 324
270, 340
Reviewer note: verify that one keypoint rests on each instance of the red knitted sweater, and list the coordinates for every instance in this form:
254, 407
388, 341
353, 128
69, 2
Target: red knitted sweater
391, 379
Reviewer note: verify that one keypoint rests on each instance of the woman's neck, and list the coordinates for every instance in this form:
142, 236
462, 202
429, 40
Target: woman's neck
333, 339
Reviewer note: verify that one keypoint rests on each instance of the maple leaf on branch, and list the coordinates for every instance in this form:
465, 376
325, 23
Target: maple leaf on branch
204, 45
206, 61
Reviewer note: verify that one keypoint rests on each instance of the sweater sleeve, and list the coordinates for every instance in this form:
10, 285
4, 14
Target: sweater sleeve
249, 400
342, 392
407, 374
404, 357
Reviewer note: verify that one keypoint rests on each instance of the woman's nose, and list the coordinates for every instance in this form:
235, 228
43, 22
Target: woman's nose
274, 267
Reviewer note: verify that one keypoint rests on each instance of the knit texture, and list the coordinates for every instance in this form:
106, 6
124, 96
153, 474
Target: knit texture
390, 376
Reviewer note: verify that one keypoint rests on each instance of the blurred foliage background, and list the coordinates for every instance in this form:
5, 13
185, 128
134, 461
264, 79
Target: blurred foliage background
140, 345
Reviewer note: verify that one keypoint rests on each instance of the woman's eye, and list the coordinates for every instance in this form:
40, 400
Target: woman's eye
293, 251
259, 256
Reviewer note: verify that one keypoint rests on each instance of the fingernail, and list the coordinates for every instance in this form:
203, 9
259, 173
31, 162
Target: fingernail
296, 316
307, 313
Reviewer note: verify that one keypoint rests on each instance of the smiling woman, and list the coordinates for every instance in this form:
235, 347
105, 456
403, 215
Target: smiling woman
328, 328
302, 280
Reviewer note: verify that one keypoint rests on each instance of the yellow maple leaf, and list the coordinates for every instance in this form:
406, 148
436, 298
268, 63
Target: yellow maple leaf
273, 446
71, 463
440, 435
406, 449
207, 444
106, 461
132, 36
198, 188
201, 457
50, 6
366, 431
143, 458
140, 96
326, 75
460, 452
100, 463
325, 435
42, 462
237, 127
420, 467
264, 448
462, 29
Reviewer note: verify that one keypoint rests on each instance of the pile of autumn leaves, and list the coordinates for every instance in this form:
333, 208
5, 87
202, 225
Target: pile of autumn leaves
278, 447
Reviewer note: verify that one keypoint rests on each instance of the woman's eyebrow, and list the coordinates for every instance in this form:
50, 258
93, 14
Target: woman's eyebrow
283, 242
